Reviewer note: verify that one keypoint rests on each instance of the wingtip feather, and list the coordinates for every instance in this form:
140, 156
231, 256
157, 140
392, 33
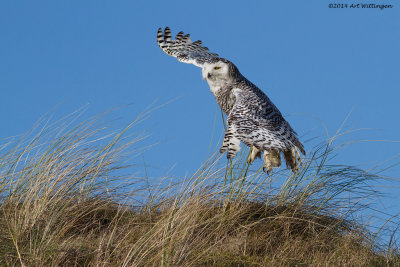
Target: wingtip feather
182, 47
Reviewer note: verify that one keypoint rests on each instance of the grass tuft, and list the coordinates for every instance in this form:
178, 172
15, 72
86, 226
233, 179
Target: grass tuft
65, 202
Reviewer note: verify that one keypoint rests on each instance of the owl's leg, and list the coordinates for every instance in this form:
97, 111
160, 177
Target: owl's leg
293, 159
272, 159
254, 153
230, 143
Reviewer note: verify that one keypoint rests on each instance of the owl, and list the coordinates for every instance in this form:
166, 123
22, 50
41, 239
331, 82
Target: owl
252, 118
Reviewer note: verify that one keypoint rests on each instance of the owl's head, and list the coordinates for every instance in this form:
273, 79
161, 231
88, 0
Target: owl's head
220, 70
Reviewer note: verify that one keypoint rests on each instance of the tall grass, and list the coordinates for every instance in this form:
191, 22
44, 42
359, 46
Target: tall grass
65, 202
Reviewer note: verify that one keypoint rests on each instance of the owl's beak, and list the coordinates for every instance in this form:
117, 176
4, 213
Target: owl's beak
208, 75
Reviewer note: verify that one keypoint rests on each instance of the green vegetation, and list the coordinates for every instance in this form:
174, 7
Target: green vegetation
64, 202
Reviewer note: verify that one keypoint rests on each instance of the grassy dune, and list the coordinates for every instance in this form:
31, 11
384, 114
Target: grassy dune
65, 202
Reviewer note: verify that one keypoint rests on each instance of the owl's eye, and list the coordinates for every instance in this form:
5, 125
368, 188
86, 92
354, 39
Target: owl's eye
217, 68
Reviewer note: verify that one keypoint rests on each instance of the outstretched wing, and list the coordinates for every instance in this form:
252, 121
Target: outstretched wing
259, 123
183, 48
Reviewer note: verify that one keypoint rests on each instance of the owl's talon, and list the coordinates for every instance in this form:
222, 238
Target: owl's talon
267, 170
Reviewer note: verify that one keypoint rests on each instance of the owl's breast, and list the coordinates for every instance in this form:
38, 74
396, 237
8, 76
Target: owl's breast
225, 99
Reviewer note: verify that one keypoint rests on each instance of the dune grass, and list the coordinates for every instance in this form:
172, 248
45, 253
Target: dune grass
65, 202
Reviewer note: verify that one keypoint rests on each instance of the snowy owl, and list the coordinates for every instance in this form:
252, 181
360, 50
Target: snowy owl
252, 117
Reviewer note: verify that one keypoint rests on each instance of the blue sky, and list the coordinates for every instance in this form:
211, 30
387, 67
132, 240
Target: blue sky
315, 63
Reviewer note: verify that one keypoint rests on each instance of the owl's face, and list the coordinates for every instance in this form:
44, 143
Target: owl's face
218, 71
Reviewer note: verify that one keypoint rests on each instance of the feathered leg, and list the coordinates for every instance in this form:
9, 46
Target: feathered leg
272, 159
292, 158
254, 153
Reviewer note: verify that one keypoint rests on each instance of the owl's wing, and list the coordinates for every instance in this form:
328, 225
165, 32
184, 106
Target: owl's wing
259, 123
183, 48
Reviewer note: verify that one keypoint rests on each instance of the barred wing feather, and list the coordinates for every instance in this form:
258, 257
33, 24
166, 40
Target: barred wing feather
183, 48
